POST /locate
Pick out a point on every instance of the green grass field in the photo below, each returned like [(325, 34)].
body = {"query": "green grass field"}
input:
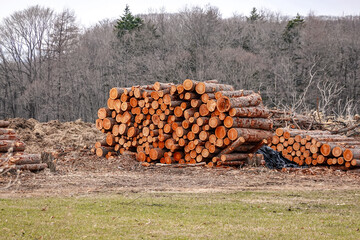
[(241, 215)]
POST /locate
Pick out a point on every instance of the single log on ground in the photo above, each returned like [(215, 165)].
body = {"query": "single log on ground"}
[(30, 167), (232, 163), (250, 135), (224, 103), (257, 123), (25, 159), (6, 145)]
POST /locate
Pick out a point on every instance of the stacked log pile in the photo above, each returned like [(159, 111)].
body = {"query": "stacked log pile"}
[(316, 147), (190, 123), (12, 154)]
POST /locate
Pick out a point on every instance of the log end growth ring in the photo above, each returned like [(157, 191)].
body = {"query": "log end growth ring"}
[(223, 104)]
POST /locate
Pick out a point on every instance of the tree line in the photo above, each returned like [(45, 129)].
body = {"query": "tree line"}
[(51, 68)]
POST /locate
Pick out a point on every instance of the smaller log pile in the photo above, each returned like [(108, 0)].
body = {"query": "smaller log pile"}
[(12, 154), (193, 122), (316, 147)]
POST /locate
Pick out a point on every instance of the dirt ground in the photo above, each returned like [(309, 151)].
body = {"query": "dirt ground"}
[(80, 172)]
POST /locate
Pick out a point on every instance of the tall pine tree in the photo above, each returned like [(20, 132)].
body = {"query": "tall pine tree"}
[(127, 23)]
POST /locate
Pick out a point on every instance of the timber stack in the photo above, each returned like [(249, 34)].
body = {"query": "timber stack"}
[(190, 123), (12, 154), (316, 147)]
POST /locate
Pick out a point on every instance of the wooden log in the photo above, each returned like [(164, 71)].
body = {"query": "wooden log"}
[(231, 163), (104, 112), (257, 112), (116, 92), (156, 153), (4, 124), (355, 163), (258, 146), (25, 159), (190, 112), (250, 135), (202, 121), (110, 103), (110, 140), (11, 145), (257, 123), (203, 87), (220, 132), (207, 97), (30, 167), (160, 86), (236, 93), (211, 105), (326, 149), (234, 156), (9, 137), (203, 110), (180, 131), (108, 123), (350, 154), (7, 131), (214, 122), (189, 85), (233, 146), (224, 103)]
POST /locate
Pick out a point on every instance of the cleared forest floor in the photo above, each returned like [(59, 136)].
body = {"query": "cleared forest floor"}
[(80, 173)]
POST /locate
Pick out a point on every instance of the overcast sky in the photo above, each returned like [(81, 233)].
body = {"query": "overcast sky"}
[(90, 12)]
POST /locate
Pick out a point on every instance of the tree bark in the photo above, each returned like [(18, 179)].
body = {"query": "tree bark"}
[(224, 103), (203, 87), (257, 123), (250, 135), (6, 145), (250, 112)]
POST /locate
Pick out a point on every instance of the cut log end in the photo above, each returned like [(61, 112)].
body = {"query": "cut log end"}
[(223, 104)]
